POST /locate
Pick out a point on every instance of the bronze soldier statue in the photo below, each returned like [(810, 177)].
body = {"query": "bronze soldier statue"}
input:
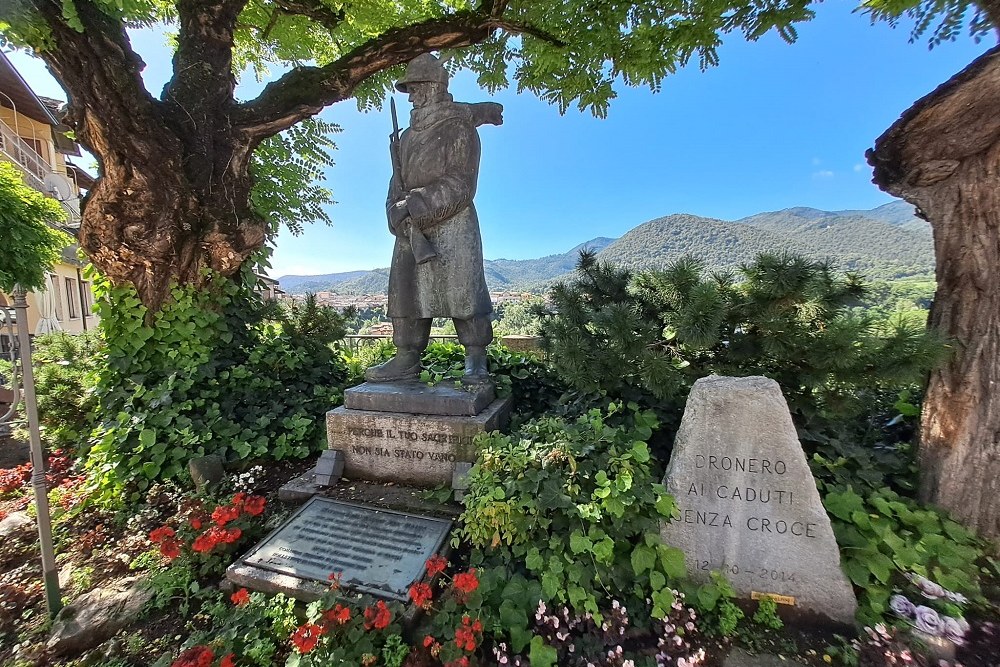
[(437, 261)]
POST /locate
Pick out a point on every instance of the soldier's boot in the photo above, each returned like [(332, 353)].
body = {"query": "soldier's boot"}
[(404, 366), (476, 371)]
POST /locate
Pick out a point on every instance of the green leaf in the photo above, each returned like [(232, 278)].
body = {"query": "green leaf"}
[(534, 560), (708, 596), (579, 543), (843, 504), (147, 437), (640, 451), (541, 654), (643, 558), (672, 562), (604, 551)]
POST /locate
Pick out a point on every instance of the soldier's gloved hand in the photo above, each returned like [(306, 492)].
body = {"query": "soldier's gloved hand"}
[(397, 213)]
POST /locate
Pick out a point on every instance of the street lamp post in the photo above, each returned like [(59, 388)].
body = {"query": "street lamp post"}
[(50, 575)]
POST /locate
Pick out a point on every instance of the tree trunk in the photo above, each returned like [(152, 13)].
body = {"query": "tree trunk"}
[(943, 155)]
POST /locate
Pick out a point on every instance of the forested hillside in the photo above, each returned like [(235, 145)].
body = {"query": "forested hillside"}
[(885, 243)]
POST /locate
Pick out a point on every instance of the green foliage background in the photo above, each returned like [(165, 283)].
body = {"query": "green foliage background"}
[(210, 375)]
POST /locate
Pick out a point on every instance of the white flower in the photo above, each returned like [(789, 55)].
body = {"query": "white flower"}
[(926, 620), (928, 588), (902, 606), (957, 598), (955, 629)]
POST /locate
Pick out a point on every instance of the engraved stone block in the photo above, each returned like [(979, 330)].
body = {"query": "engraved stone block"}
[(421, 450), (748, 504), (376, 551)]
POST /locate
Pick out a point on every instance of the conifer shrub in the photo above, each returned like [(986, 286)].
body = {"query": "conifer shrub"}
[(66, 368), (646, 337)]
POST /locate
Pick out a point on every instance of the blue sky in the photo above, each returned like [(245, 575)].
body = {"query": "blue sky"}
[(773, 126)]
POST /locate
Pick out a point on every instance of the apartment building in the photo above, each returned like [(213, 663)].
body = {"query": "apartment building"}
[(34, 139)]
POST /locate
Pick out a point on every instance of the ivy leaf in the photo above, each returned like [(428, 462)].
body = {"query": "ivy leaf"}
[(843, 504), (643, 558), (533, 560), (672, 562), (604, 551), (579, 543), (540, 654)]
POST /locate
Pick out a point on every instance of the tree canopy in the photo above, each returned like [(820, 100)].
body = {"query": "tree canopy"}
[(31, 246)]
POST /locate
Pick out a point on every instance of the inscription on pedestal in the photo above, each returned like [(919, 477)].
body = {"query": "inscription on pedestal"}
[(747, 501), (419, 450), (376, 551)]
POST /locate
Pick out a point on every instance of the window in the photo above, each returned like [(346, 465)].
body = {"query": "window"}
[(86, 297), (72, 298), (57, 297)]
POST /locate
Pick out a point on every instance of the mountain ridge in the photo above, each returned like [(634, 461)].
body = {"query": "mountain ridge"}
[(888, 241)]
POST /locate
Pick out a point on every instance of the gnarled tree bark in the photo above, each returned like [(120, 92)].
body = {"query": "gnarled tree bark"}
[(943, 155)]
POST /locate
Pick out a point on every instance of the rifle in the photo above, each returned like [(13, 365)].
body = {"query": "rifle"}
[(422, 249)]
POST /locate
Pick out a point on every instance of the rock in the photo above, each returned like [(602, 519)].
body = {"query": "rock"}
[(520, 343), (299, 489), (206, 470), (747, 501), (15, 522), (97, 616)]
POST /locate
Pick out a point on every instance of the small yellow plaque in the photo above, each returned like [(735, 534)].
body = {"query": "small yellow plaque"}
[(780, 599)]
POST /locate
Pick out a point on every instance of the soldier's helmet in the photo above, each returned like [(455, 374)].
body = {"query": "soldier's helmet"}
[(425, 68)]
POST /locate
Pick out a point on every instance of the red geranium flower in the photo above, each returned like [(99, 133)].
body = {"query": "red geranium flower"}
[(378, 618), (160, 534), (170, 549), (228, 661), (428, 640), (254, 505), (466, 582), (204, 543), (223, 514), (304, 639), (196, 522), (231, 535), (196, 656), (239, 499), (436, 564), (240, 597), (421, 594), (465, 634), (339, 614)]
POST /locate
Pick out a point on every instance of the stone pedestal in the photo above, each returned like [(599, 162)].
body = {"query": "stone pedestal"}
[(407, 448), (418, 398)]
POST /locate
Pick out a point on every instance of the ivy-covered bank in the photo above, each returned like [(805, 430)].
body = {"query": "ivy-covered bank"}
[(214, 371), (557, 558)]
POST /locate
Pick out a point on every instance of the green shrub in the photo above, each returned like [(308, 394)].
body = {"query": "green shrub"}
[(66, 369), (572, 510), (208, 374)]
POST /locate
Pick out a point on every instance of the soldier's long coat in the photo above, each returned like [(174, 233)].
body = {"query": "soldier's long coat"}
[(440, 154)]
